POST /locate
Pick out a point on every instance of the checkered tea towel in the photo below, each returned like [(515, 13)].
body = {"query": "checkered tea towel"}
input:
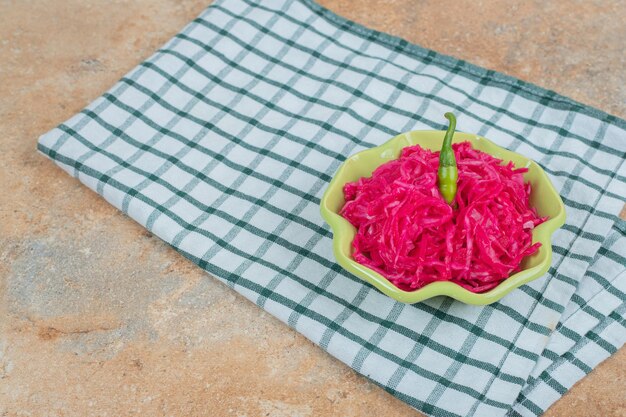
[(223, 142)]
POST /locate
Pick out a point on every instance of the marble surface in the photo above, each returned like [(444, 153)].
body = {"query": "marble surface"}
[(101, 318)]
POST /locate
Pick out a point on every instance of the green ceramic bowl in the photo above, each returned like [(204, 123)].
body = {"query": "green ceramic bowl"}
[(543, 197)]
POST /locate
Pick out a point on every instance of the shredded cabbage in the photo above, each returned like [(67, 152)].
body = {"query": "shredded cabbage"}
[(411, 236)]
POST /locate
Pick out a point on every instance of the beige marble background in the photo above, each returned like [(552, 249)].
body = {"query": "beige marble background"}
[(98, 317)]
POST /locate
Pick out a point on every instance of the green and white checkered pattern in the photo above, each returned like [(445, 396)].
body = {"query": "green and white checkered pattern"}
[(223, 142), (592, 327)]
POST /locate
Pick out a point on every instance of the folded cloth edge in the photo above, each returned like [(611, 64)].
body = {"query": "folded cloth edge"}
[(450, 62)]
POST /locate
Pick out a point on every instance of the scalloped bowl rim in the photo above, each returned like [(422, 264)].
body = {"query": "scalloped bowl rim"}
[(344, 231)]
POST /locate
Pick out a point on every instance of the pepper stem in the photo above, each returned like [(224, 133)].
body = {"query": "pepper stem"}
[(447, 156)]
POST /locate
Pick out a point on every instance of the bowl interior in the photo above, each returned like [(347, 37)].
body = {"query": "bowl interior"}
[(543, 197)]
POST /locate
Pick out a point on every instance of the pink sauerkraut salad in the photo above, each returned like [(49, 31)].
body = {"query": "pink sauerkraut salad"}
[(410, 235)]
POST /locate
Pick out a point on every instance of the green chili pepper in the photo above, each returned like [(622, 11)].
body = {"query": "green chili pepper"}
[(448, 174)]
